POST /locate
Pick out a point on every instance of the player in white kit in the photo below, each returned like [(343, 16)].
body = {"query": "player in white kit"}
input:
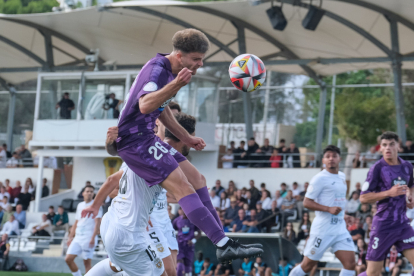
[(85, 231), (326, 195)]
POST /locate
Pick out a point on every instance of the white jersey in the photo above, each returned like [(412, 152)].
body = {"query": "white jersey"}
[(159, 216), (134, 203), (86, 225), (329, 190)]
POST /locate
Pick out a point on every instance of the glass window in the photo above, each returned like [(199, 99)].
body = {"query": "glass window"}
[(102, 98), (59, 99)]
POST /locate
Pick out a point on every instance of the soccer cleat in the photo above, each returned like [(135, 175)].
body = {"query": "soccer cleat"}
[(257, 245), (234, 250)]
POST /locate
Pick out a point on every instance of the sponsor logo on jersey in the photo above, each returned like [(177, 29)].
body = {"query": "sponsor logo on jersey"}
[(313, 251), (161, 108), (365, 186), (399, 181), (409, 240), (158, 263), (160, 248)]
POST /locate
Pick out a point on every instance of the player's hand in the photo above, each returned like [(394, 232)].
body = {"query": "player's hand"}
[(196, 143), (149, 224), (183, 77), (92, 243), (397, 190), (90, 212), (335, 210), (112, 135), (410, 202)]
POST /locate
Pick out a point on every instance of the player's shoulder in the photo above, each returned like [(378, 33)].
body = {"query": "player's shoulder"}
[(81, 205), (377, 166), (407, 164), (319, 177), (156, 67), (342, 175)]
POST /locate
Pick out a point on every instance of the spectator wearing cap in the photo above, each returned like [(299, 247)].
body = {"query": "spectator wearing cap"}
[(231, 212), (218, 188)]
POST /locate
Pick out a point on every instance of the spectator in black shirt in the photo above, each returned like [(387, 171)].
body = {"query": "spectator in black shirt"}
[(8, 153), (25, 198), (305, 189), (252, 152), (261, 215), (240, 155), (282, 144), (232, 146), (294, 152), (250, 201), (66, 106), (267, 151), (26, 156), (114, 105), (45, 188), (358, 233), (254, 191), (51, 214), (224, 270), (218, 188)]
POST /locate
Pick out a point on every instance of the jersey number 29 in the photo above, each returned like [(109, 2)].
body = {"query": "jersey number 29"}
[(154, 150)]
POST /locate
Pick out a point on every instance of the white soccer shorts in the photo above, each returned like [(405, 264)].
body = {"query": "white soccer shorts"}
[(81, 248), (131, 252), (318, 244), (163, 239)]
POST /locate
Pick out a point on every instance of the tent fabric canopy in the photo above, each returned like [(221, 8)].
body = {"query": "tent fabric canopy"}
[(130, 33)]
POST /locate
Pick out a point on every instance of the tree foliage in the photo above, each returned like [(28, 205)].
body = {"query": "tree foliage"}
[(27, 6)]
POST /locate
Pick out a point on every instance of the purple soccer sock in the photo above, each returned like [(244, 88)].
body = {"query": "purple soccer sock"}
[(205, 199), (201, 217), (180, 269), (363, 274)]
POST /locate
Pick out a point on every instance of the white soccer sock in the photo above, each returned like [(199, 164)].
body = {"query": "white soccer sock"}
[(297, 271), (189, 274), (77, 273), (222, 242), (346, 272), (103, 268)]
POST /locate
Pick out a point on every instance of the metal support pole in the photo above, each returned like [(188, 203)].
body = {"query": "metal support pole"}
[(331, 115), (49, 51), (266, 103), (246, 96), (10, 118), (396, 69), (321, 119), (39, 183)]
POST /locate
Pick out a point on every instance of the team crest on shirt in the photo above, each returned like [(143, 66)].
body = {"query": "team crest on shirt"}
[(158, 262), (313, 251), (365, 186), (160, 248), (399, 181)]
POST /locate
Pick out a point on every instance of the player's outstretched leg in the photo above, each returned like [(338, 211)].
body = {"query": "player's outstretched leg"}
[(177, 184), (103, 268)]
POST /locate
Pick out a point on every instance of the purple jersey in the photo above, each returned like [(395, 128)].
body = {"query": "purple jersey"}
[(185, 229), (133, 125), (391, 212)]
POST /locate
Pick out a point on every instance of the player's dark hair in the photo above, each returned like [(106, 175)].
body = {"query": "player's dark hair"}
[(188, 122), (331, 148), (51, 207), (282, 141), (60, 206), (389, 135), (190, 41), (174, 105), (89, 186)]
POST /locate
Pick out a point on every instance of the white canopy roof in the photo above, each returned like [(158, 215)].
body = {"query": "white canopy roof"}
[(132, 32)]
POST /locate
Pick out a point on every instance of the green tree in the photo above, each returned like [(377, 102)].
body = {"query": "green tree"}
[(26, 6)]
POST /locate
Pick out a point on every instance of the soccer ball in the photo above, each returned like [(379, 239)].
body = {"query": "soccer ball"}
[(247, 72)]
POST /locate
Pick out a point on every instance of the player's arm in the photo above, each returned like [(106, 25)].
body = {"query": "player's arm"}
[(114, 192), (95, 232), (314, 206), (72, 232), (372, 197), (152, 101), (110, 144), (110, 184)]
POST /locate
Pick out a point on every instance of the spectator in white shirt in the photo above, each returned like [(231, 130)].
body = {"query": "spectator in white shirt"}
[(352, 205), (11, 227), (266, 200), (224, 201), (215, 200), (3, 157), (296, 191), (14, 162), (228, 159), (3, 193), (44, 229), (5, 203)]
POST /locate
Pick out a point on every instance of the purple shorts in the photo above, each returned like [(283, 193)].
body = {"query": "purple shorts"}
[(186, 253), (381, 242), (151, 159)]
